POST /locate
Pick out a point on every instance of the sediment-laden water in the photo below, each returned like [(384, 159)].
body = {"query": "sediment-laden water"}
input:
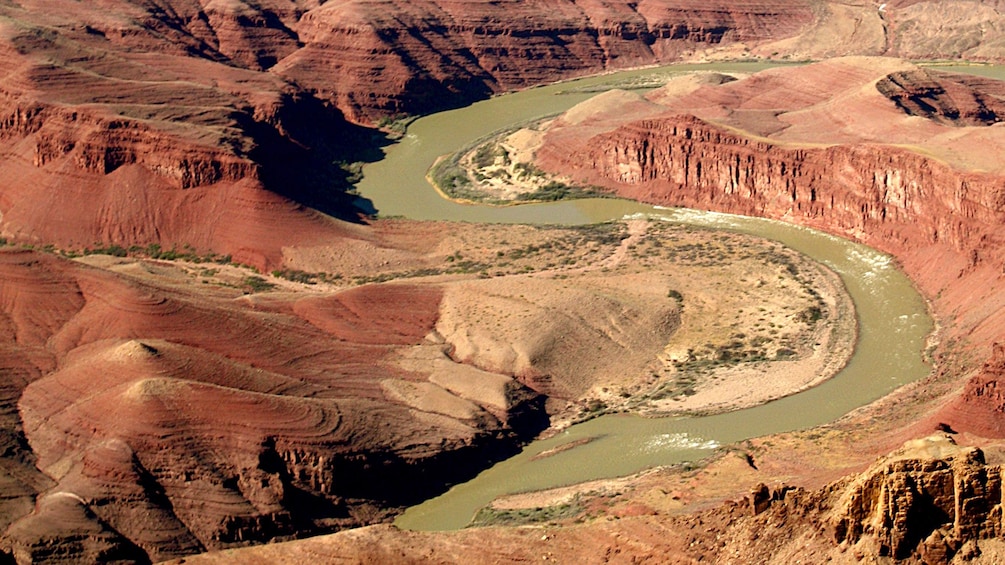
[(893, 320)]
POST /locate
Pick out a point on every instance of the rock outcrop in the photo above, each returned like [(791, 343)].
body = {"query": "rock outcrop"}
[(950, 99), (925, 508), (930, 502)]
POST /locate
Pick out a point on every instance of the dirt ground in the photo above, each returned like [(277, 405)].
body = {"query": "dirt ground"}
[(640, 316)]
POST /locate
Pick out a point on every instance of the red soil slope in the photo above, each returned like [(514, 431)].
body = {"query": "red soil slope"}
[(200, 418), (110, 143)]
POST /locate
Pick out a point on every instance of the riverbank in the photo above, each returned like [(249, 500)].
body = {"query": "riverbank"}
[(892, 316), (892, 323), (498, 170), (694, 376), (757, 322)]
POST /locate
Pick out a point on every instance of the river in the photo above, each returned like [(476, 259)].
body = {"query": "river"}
[(893, 320)]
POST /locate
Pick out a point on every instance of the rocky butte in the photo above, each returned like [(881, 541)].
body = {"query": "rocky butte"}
[(154, 409)]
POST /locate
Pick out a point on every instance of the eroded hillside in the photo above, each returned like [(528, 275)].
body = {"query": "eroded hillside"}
[(232, 129)]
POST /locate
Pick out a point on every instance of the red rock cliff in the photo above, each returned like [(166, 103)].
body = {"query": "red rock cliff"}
[(889, 197), (919, 197), (229, 98), (376, 60)]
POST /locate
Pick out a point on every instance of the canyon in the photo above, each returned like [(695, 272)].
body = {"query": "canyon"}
[(153, 409), (813, 159), (203, 104)]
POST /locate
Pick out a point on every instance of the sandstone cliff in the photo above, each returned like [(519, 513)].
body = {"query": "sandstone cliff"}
[(926, 508), (930, 194), (875, 193)]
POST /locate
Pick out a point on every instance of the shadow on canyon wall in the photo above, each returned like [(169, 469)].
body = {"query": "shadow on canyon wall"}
[(312, 156)]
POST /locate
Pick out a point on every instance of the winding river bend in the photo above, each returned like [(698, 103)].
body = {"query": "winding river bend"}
[(893, 320)]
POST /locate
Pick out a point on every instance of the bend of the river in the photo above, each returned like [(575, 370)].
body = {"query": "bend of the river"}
[(893, 318)]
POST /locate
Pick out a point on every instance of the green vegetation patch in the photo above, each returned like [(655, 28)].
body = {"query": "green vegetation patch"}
[(465, 175), (489, 516)]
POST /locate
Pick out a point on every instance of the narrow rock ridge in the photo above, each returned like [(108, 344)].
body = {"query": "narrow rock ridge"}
[(947, 99)]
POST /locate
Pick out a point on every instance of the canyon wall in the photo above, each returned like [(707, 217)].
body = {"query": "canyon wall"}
[(891, 198), (376, 60), (133, 123), (161, 122), (921, 196)]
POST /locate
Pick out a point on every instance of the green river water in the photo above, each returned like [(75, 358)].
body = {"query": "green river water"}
[(893, 320)]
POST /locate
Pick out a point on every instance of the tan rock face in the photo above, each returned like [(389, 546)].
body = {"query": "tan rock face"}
[(925, 508), (964, 30)]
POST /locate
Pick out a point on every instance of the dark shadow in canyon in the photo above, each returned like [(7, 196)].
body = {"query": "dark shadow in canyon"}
[(395, 481), (311, 154)]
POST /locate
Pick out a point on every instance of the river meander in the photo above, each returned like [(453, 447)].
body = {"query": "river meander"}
[(893, 320)]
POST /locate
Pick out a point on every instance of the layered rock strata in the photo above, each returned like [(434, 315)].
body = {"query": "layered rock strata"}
[(426, 55), (143, 421), (138, 123), (845, 151), (153, 121)]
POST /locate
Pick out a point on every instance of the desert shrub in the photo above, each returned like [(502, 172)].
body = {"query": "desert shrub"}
[(255, 283)]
